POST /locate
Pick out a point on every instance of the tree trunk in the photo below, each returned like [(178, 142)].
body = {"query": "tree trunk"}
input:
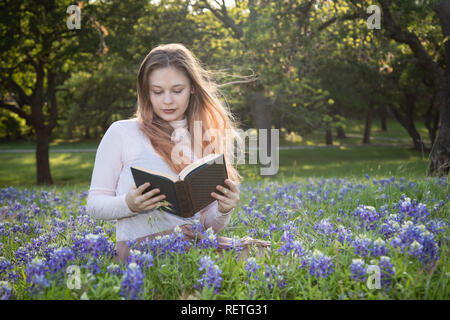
[(69, 130), (431, 122), (408, 121), (341, 133), (382, 113), (87, 135), (328, 137), (42, 157), (368, 127), (440, 153)]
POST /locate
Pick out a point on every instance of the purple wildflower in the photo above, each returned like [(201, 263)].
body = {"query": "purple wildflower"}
[(252, 267), (320, 265), (132, 283), (59, 259), (142, 259), (324, 227), (36, 273), (361, 245), (114, 269), (273, 274), (5, 290), (209, 240), (358, 270), (387, 271), (415, 248), (379, 248), (212, 274)]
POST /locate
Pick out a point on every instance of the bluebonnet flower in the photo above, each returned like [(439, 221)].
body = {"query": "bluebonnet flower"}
[(430, 251), (252, 267), (179, 243), (361, 245), (114, 269), (5, 290), (92, 266), (22, 255), (209, 240), (287, 238), (142, 259), (36, 273), (273, 277), (158, 246), (6, 270), (396, 242), (95, 245), (389, 228), (212, 274), (272, 228), (320, 265), (253, 201), (4, 230), (368, 216), (59, 259), (132, 283), (324, 227), (358, 270), (415, 248), (236, 245), (387, 271), (379, 248), (344, 234)]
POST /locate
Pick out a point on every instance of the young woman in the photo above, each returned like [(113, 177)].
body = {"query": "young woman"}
[(174, 93)]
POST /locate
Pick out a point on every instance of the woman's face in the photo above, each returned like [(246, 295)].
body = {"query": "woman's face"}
[(170, 89)]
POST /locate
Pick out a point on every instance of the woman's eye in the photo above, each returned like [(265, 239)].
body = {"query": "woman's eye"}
[(159, 92)]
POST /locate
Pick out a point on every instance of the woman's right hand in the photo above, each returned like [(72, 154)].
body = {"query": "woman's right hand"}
[(138, 202)]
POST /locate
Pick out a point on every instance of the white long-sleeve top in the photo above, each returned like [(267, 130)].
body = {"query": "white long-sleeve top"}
[(123, 146)]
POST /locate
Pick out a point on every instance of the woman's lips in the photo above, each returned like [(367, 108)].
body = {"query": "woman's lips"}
[(169, 111)]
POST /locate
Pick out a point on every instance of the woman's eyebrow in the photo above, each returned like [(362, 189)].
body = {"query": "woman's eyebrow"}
[(176, 85)]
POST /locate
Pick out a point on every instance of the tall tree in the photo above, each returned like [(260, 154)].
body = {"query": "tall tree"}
[(396, 29), (37, 53)]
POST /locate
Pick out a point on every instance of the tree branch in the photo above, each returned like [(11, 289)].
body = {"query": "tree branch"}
[(394, 31), (18, 111), (223, 16)]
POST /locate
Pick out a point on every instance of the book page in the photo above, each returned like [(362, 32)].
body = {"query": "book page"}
[(157, 173), (211, 157)]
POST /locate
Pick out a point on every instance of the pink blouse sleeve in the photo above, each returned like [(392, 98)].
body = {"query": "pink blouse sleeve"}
[(215, 219), (102, 202)]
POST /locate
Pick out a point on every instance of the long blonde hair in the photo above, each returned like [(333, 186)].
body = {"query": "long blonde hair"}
[(204, 105)]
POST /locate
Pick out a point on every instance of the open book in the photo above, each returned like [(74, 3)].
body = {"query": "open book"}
[(190, 191)]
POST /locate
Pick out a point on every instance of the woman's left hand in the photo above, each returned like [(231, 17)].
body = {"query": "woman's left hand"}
[(230, 199)]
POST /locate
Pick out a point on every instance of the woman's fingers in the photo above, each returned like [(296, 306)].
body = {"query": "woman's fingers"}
[(153, 200), (232, 185), (221, 198)]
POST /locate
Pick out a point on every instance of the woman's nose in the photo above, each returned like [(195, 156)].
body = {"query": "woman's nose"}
[(167, 97)]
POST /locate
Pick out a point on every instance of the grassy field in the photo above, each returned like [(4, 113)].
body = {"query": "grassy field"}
[(329, 213), (384, 161)]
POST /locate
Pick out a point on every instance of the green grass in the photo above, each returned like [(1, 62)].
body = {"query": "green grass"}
[(18, 169), (395, 135)]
